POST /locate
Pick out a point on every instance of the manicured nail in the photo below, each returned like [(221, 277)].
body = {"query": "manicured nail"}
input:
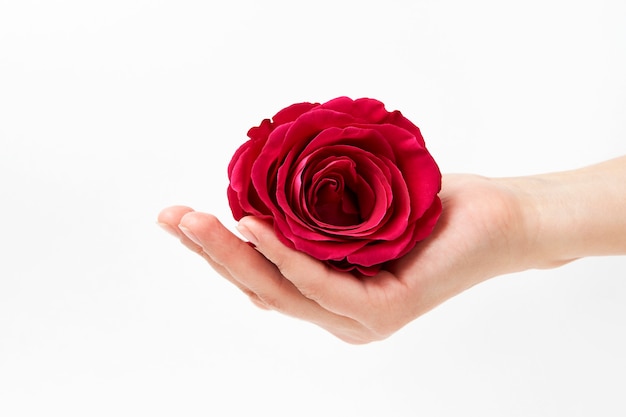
[(169, 229), (245, 232), (190, 235)]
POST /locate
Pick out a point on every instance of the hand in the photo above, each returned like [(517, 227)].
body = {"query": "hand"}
[(480, 235)]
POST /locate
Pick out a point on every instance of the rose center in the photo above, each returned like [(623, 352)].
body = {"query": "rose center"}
[(334, 203)]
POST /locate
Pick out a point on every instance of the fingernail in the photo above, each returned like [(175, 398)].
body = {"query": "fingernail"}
[(169, 229), (245, 232), (190, 235)]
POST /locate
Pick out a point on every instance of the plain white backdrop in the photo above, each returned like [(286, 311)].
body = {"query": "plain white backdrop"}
[(111, 111)]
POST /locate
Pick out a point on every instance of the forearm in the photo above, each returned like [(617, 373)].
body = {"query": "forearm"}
[(576, 213)]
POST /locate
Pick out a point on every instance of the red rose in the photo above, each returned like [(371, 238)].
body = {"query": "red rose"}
[(346, 181)]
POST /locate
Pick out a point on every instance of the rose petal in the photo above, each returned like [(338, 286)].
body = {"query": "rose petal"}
[(242, 193), (418, 167), (396, 118), (291, 113), (317, 245), (383, 251), (362, 110), (365, 137), (265, 167)]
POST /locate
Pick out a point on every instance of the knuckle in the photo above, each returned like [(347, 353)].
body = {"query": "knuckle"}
[(284, 263), (312, 283), (272, 302), (257, 301), (199, 250), (312, 292)]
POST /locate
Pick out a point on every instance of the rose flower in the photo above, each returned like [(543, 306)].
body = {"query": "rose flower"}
[(346, 182)]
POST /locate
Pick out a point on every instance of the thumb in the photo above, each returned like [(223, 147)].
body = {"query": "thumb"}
[(339, 292), (289, 261)]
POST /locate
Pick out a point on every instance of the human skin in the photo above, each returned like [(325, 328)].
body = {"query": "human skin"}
[(489, 227)]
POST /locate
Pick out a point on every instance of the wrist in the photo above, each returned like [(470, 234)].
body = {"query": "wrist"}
[(540, 222), (568, 215)]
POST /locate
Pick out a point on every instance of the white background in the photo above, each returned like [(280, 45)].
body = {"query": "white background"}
[(111, 111)]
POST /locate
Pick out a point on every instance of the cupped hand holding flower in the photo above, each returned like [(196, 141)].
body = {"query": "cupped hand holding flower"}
[(488, 227), (479, 227)]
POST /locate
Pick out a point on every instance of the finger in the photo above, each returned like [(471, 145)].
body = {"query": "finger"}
[(341, 293), (170, 219), (252, 270)]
